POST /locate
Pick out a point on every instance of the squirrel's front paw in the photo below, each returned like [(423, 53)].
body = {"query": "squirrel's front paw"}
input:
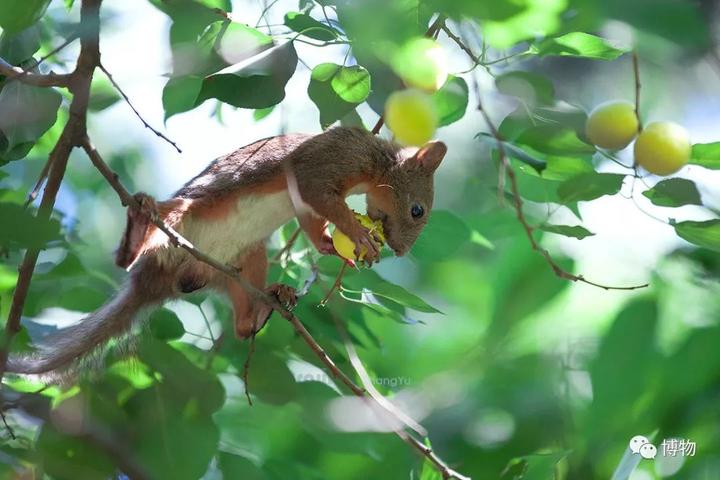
[(366, 246), (285, 294)]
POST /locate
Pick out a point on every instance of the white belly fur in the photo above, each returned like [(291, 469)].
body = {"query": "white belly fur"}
[(253, 219)]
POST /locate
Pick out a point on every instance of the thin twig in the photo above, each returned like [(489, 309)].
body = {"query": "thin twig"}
[(8, 428), (366, 382), (246, 369), (41, 179), (335, 285), (288, 245), (638, 85), (518, 205), (127, 100), (26, 70)]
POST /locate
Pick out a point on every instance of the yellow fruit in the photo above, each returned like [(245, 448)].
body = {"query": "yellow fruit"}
[(411, 116), (346, 248), (421, 63), (663, 148), (612, 125)]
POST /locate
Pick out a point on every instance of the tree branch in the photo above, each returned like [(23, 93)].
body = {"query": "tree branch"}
[(35, 79), (79, 84), (638, 85), (137, 114), (518, 205), (180, 242)]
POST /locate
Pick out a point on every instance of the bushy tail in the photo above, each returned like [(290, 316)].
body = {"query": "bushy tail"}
[(64, 348)]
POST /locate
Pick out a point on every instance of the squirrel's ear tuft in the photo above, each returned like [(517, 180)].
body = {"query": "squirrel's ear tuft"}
[(430, 155)]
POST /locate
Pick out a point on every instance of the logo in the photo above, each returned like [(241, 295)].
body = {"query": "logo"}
[(673, 447)]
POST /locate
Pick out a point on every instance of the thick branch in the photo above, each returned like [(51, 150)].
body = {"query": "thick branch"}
[(74, 131), (35, 79)]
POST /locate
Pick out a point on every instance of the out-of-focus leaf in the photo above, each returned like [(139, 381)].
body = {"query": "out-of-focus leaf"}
[(337, 90), (451, 100), (674, 192), (680, 22), (537, 19), (533, 467), (256, 83), (308, 26), (21, 229), (180, 94), (26, 112), (63, 456), (102, 94), (575, 231), (15, 15), (589, 186), (444, 234), (577, 44), (621, 370), (261, 113), (19, 47), (533, 88), (235, 466), (165, 325), (703, 234), (706, 155), (554, 140)]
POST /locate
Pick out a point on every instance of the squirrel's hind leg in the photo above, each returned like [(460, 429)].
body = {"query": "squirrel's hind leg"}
[(250, 315)]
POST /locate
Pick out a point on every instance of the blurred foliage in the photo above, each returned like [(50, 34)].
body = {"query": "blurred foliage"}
[(445, 333)]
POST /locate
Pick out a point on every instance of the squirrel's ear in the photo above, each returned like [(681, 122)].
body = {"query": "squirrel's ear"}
[(430, 155)]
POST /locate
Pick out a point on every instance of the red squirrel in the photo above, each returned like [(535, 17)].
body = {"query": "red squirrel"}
[(230, 209)]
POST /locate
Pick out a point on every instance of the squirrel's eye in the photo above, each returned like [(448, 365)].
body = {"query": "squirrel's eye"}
[(417, 211)]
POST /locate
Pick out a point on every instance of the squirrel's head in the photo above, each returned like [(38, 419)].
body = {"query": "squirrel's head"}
[(404, 200)]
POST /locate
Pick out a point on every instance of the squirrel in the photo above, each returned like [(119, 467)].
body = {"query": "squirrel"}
[(231, 208)]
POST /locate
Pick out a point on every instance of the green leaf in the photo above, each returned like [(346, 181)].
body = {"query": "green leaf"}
[(516, 152), (16, 15), (589, 186), (442, 237), (165, 325), (704, 234), (180, 94), (337, 90), (102, 94), (533, 88), (21, 229), (575, 231), (674, 192), (680, 22), (365, 279), (554, 140), (19, 47), (451, 100), (26, 112), (261, 113), (577, 44), (257, 83), (706, 155), (308, 26)]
